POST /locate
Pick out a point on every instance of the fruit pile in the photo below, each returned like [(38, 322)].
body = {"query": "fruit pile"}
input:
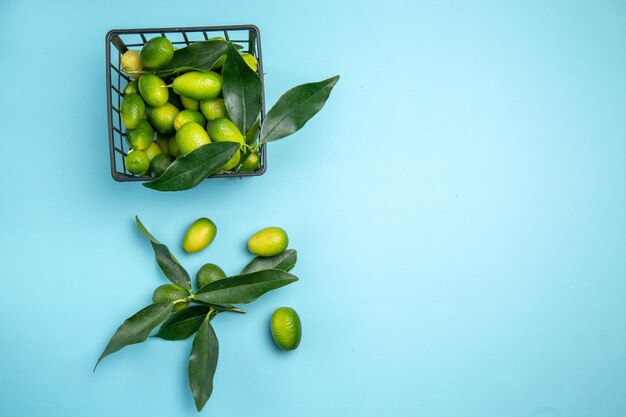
[(182, 311), (165, 121)]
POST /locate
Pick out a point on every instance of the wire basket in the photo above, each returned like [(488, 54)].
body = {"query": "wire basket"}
[(119, 41)]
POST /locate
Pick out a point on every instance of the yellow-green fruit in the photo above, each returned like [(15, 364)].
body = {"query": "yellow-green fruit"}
[(212, 109), (140, 137), (209, 273), (270, 241), (188, 116), (189, 103), (190, 137), (232, 162), (131, 88), (286, 328), (251, 61), (198, 85), (157, 52), (162, 118), (169, 293), (131, 64), (160, 163), (132, 110), (137, 162), (173, 146), (252, 163), (223, 130), (153, 150), (164, 142), (199, 235), (153, 90), (219, 63)]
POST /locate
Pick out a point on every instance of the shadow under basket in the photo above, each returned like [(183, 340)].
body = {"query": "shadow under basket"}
[(119, 41)]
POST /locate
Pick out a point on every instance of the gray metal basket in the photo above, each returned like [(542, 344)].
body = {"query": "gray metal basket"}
[(119, 41)]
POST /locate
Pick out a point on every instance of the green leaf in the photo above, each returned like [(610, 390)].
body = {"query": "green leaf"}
[(285, 261), (242, 289), (190, 170), (199, 56), (202, 363), (294, 108), (137, 328), (181, 325), (242, 91), (170, 267), (145, 231)]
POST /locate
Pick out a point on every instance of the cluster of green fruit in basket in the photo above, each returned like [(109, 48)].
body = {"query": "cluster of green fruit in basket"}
[(164, 122)]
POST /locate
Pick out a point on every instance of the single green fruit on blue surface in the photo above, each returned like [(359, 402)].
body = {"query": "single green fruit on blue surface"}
[(270, 241)]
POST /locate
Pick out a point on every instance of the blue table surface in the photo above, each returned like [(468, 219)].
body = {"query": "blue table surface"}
[(458, 207)]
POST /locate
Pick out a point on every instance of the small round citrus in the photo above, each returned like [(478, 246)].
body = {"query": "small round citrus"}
[(251, 61), (212, 109), (199, 235), (232, 162), (189, 103), (252, 163), (223, 130), (131, 88), (140, 137), (190, 137), (164, 142), (131, 63), (170, 292), (162, 118), (160, 163), (157, 52), (173, 146), (137, 162), (188, 116), (153, 150), (270, 241), (132, 110), (208, 274), (198, 85), (153, 90), (286, 328)]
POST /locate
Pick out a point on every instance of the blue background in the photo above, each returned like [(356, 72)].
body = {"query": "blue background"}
[(458, 207)]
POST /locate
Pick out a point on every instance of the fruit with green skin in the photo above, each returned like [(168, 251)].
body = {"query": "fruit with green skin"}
[(232, 162), (153, 90), (209, 273), (137, 162), (153, 150), (162, 118), (186, 116), (190, 137), (189, 103), (157, 52), (132, 110), (160, 163), (164, 142), (140, 137), (131, 64), (199, 235), (286, 328), (252, 163), (169, 293), (198, 85), (131, 88), (251, 61), (223, 130), (270, 241), (212, 109)]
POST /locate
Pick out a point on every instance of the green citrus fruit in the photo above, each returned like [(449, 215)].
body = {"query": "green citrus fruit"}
[(153, 90), (270, 241), (212, 109), (169, 293), (164, 142), (286, 328), (137, 162), (132, 109), (199, 235), (131, 88), (223, 130), (208, 274), (189, 103), (153, 150), (190, 137), (232, 162), (251, 61), (188, 116), (157, 52), (140, 137), (252, 163), (160, 163), (198, 85), (173, 146), (162, 118), (131, 64)]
